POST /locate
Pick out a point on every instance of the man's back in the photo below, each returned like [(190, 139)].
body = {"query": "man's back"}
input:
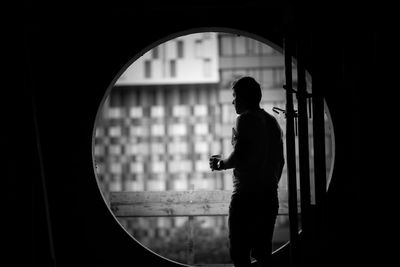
[(258, 145)]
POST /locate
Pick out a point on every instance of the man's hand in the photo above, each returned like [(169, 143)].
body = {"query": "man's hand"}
[(214, 162)]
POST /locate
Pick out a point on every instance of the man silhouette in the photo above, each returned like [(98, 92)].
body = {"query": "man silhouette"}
[(257, 160)]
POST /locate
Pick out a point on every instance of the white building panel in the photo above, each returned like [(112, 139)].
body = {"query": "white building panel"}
[(198, 64), (158, 130)]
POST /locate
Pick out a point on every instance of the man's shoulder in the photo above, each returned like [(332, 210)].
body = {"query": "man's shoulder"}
[(246, 117), (255, 115), (251, 113), (270, 117)]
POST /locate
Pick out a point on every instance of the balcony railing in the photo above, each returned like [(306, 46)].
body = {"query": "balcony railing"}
[(179, 203), (176, 203)]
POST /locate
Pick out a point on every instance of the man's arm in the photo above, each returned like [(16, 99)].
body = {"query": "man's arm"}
[(240, 151)]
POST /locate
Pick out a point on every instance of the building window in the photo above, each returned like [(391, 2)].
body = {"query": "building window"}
[(201, 166), (177, 130), (172, 68), (267, 78), (250, 46), (178, 148), (114, 131), (157, 111), (201, 147), (116, 168), (147, 69), (158, 167), (201, 129), (158, 130), (226, 78), (226, 46), (179, 47), (155, 52), (136, 167), (180, 166), (240, 45), (198, 48), (136, 112), (206, 35), (180, 111), (207, 67), (254, 47), (200, 110), (266, 50)]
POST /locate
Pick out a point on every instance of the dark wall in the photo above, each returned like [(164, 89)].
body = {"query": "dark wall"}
[(72, 56)]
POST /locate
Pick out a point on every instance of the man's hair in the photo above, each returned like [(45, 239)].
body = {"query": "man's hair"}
[(248, 89)]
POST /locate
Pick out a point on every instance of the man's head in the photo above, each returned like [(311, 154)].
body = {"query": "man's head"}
[(246, 94)]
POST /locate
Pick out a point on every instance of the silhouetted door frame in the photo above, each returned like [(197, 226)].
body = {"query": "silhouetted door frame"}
[(291, 152), (312, 217)]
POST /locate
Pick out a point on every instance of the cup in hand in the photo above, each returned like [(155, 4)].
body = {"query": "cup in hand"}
[(214, 160)]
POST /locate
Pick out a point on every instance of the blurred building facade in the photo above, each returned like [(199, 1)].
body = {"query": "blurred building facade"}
[(168, 113)]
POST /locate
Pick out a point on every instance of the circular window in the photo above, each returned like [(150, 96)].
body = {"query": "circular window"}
[(159, 122)]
